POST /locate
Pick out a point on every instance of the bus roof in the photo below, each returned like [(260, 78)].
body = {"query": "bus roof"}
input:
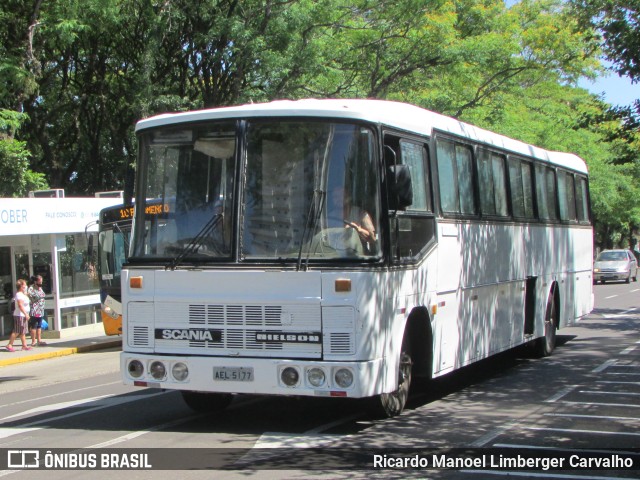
[(393, 114)]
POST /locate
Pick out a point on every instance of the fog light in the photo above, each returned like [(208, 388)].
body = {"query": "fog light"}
[(180, 371), (157, 370), (290, 376), (343, 377), (135, 368), (316, 377)]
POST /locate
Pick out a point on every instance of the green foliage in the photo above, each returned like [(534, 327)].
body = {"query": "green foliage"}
[(75, 76), (15, 177), (616, 23)]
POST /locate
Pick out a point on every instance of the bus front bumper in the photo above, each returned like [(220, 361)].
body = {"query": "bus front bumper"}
[(253, 375)]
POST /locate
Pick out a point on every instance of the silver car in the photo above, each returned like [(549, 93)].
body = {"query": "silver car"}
[(615, 265)]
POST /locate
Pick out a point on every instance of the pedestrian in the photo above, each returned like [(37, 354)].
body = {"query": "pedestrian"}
[(36, 297), (20, 316)]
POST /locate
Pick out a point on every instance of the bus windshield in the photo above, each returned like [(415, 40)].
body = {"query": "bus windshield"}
[(113, 242), (309, 190)]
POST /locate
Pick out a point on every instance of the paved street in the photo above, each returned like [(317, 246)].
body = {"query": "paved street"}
[(586, 396)]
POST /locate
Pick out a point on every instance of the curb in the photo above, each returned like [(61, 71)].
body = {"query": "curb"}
[(63, 352)]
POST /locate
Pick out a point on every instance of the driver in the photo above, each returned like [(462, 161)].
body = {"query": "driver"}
[(341, 205)]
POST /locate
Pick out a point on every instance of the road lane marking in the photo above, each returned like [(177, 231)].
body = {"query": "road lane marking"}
[(561, 393), (550, 474), (618, 382), (572, 430), (6, 432), (604, 366), (610, 296), (620, 315), (59, 394), (55, 406), (540, 475), (124, 438), (139, 433), (307, 439), (596, 392), (560, 449), (627, 351), (492, 435), (599, 417), (164, 426), (601, 404), (277, 441)]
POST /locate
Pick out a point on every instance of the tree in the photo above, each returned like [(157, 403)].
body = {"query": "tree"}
[(15, 177), (18, 79), (616, 26), (501, 50)]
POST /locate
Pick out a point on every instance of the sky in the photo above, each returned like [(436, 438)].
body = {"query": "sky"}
[(617, 91)]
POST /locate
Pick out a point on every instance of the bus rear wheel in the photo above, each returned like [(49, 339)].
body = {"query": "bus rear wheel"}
[(392, 404), (545, 345), (206, 402)]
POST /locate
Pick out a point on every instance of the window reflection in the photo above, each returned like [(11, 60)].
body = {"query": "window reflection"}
[(77, 270)]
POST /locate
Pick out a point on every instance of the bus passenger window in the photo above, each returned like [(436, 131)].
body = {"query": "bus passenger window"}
[(566, 196), (455, 175), (493, 191), (582, 201), (520, 180)]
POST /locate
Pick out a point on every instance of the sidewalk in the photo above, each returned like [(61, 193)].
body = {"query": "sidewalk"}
[(55, 347)]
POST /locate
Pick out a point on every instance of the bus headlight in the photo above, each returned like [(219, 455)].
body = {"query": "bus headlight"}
[(316, 377), (135, 368), (290, 376), (109, 311), (180, 371), (157, 370), (343, 377)]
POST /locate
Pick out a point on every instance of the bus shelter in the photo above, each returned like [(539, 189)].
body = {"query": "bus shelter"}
[(53, 237)]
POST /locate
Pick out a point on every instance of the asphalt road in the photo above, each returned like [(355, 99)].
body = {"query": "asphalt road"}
[(584, 398)]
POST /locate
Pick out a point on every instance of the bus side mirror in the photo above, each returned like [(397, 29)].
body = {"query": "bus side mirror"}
[(400, 189)]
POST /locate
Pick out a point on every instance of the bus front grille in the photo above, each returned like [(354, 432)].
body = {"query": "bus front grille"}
[(251, 329)]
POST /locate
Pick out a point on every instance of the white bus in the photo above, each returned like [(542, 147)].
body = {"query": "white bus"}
[(340, 248)]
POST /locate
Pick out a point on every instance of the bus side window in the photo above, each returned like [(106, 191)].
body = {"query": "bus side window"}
[(566, 196), (414, 227), (582, 200), (521, 183), (493, 196), (456, 180)]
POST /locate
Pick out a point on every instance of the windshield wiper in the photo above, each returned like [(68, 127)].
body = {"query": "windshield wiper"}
[(310, 225), (195, 242)]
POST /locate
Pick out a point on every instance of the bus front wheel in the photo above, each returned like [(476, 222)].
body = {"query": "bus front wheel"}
[(206, 402), (392, 404)]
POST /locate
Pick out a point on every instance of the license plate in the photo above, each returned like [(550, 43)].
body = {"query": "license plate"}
[(233, 374)]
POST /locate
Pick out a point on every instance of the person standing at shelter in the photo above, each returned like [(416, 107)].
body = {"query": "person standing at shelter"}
[(36, 296), (20, 316)]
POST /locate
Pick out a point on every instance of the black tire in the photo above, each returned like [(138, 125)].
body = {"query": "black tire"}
[(207, 402), (388, 405), (545, 345)]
